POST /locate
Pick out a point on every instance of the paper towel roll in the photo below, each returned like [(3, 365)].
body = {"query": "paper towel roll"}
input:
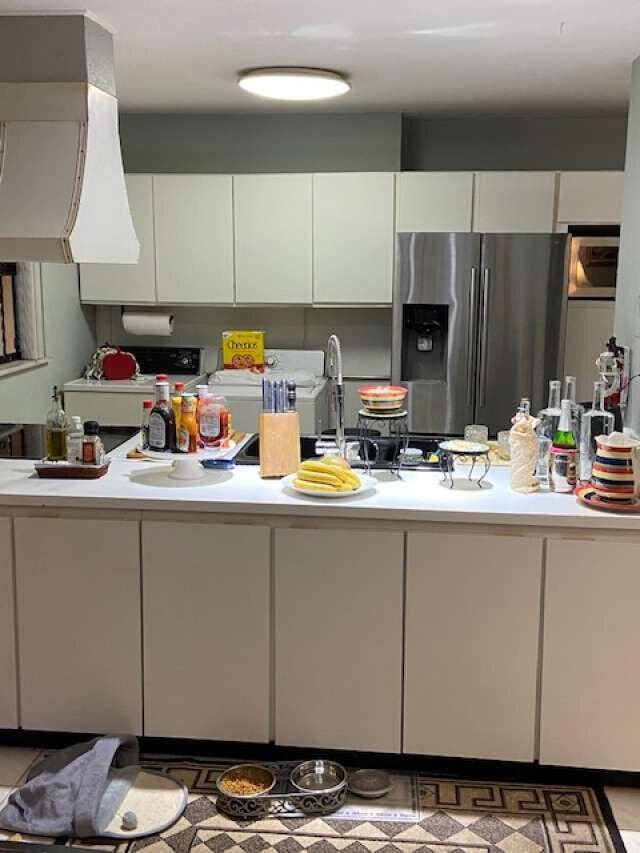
[(147, 323)]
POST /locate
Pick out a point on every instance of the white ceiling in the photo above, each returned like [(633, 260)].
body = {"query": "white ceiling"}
[(442, 56)]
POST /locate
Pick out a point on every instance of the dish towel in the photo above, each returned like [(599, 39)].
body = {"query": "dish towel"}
[(94, 789)]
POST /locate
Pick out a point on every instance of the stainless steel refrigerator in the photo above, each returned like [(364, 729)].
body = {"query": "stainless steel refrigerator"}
[(478, 323)]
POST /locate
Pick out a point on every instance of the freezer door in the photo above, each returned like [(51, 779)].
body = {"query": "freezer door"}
[(435, 328), (523, 286)]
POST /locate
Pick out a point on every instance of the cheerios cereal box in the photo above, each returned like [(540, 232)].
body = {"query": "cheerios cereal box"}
[(242, 350)]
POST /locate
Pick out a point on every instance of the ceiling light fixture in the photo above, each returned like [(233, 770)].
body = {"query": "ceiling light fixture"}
[(294, 84)]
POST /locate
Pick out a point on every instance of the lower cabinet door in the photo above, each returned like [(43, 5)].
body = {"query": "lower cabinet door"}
[(8, 691), (338, 631), (78, 593), (591, 669), (472, 637), (206, 603)]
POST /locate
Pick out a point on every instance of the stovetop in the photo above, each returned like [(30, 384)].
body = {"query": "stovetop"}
[(29, 441)]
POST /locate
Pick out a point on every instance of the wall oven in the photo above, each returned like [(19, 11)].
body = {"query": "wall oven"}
[(593, 266)]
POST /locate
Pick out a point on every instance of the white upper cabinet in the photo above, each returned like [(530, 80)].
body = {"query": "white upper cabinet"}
[(353, 236), (434, 201), (272, 217), (127, 283), (590, 197), (514, 202), (194, 238)]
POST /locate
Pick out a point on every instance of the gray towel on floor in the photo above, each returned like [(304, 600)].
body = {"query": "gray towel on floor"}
[(70, 792)]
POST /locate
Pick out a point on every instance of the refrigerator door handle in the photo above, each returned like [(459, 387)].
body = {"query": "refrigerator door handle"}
[(484, 330), (471, 337)]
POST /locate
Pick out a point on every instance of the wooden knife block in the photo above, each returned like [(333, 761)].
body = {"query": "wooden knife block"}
[(279, 443)]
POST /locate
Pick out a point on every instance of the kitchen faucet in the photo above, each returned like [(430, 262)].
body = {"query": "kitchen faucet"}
[(334, 372)]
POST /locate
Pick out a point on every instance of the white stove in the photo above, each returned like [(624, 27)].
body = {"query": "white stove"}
[(119, 402), (243, 391)]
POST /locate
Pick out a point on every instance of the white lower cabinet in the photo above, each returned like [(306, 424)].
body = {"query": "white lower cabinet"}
[(338, 639), (206, 630), (78, 593), (591, 673), (471, 654), (8, 692)]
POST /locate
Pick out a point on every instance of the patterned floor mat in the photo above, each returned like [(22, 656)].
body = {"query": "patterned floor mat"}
[(420, 815)]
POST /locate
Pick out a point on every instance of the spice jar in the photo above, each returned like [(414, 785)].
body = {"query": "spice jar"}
[(92, 447)]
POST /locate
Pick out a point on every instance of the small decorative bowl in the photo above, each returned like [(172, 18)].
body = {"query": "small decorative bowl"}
[(257, 774), (382, 398), (318, 777)]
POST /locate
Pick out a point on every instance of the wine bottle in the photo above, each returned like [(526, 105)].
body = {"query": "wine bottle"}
[(565, 437)]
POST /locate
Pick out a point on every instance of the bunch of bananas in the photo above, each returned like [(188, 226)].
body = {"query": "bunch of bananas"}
[(329, 474)]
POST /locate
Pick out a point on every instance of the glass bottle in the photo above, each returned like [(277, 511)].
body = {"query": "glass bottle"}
[(187, 432), (92, 447), (147, 405), (549, 417), (56, 429), (75, 436), (596, 421), (576, 409), (161, 420), (565, 437), (176, 404)]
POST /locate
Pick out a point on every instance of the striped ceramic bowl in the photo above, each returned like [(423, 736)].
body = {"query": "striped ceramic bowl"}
[(612, 473)]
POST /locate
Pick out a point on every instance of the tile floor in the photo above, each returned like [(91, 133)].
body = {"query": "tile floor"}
[(625, 802)]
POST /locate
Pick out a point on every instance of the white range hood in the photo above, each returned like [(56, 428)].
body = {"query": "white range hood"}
[(62, 192)]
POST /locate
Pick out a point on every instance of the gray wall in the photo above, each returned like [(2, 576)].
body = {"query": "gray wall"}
[(627, 324), (260, 143), (70, 338), (481, 142)]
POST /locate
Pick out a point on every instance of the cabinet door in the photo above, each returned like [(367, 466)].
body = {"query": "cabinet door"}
[(78, 593), (272, 220), (8, 692), (471, 654), (512, 202), (206, 631), (590, 197), (434, 201), (127, 283), (590, 672), (353, 235), (338, 612), (194, 238)]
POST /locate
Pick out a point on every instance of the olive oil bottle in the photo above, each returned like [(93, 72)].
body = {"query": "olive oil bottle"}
[(56, 429)]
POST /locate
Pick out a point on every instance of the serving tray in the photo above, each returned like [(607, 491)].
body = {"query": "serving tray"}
[(70, 471)]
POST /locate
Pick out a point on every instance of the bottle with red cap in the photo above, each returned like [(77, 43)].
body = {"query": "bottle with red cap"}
[(176, 405), (147, 405)]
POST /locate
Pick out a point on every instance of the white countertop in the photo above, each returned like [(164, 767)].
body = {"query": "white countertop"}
[(417, 496)]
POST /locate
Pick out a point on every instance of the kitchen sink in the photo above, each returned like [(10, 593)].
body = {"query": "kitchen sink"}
[(387, 451)]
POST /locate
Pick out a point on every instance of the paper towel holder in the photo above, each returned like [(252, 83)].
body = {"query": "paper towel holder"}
[(137, 320)]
